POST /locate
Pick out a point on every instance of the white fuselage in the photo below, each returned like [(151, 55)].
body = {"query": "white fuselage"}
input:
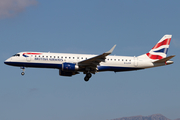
[(55, 60)]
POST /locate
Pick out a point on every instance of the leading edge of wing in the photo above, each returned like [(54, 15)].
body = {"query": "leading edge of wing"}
[(97, 59)]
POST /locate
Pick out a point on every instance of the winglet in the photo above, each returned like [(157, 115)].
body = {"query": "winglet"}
[(111, 50)]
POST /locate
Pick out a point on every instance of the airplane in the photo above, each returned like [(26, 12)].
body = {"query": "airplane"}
[(72, 64)]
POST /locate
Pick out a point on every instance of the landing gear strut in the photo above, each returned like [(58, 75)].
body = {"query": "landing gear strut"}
[(23, 68), (87, 77)]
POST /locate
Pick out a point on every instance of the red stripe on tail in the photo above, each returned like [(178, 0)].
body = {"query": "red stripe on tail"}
[(164, 42), (154, 57)]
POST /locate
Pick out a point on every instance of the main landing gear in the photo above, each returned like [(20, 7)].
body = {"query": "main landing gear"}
[(23, 68), (87, 77)]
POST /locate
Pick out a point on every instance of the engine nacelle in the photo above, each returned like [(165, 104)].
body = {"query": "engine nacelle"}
[(69, 67), (65, 73)]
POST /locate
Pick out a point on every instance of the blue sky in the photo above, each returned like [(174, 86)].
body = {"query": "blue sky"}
[(88, 27)]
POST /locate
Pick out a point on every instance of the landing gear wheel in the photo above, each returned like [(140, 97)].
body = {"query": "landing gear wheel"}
[(86, 78), (22, 73), (88, 75), (23, 68)]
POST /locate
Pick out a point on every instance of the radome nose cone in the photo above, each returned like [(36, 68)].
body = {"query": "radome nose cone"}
[(7, 61)]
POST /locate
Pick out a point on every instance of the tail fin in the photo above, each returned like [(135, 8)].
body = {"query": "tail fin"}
[(159, 51)]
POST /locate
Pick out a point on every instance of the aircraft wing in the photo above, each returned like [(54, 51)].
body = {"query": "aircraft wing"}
[(92, 63)]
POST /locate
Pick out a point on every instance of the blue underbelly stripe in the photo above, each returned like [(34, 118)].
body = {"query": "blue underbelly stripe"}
[(39, 65), (59, 66), (117, 69)]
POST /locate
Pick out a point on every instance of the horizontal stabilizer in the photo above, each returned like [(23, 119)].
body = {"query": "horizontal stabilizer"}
[(164, 59)]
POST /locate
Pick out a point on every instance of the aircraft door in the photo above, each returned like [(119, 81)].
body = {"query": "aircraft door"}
[(28, 58), (135, 61)]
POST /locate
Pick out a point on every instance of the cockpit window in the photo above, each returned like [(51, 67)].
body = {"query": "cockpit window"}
[(17, 55)]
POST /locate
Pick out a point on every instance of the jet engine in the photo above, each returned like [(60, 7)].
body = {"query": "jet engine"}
[(69, 67), (63, 73)]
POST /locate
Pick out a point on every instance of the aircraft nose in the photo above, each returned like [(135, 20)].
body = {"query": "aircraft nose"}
[(7, 61)]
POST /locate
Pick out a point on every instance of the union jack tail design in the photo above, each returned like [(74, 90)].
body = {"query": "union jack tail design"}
[(159, 51)]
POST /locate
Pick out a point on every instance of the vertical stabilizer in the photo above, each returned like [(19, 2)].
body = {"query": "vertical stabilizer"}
[(159, 51)]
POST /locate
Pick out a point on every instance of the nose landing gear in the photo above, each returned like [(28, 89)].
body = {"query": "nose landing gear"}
[(23, 68), (87, 77), (22, 73)]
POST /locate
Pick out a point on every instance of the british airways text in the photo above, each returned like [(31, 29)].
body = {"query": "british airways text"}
[(50, 59)]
